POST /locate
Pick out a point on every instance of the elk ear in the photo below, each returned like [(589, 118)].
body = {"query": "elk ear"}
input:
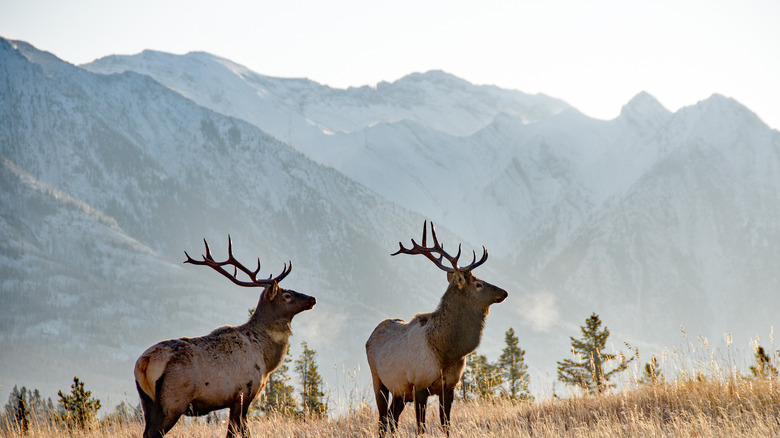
[(457, 278), (271, 291)]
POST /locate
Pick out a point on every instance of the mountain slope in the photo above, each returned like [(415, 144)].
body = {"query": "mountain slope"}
[(653, 219), (126, 175)]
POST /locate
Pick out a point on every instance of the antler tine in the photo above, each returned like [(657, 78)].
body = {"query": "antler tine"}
[(258, 267), (208, 251), (474, 262), (285, 271)]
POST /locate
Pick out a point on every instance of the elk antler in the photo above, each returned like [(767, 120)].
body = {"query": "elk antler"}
[(438, 249), (208, 260)]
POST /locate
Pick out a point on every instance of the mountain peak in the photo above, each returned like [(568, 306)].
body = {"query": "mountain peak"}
[(644, 108), (643, 104), (434, 76), (721, 108)]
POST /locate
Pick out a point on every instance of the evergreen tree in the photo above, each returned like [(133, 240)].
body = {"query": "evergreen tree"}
[(467, 379), (311, 382), (763, 369), (27, 407), (512, 365), (279, 394), (486, 378), (587, 371), (80, 407), (17, 409)]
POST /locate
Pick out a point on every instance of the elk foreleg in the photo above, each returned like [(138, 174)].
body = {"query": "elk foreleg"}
[(420, 403), (237, 423), (445, 405)]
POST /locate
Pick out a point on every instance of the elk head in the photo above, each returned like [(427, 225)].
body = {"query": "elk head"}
[(459, 277)]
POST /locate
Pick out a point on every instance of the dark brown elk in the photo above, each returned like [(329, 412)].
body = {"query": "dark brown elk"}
[(411, 361), (226, 368)]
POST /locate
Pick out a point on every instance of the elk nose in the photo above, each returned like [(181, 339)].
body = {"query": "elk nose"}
[(502, 296)]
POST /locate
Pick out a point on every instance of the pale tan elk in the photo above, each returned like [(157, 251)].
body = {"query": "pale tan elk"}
[(226, 368), (425, 356)]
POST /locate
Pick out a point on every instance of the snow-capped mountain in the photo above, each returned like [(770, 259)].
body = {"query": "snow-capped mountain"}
[(417, 141), (106, 180), (110, 170)]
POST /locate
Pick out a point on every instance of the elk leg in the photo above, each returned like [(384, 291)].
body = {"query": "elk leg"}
[(382, 395), (159, 420), (237, 420), (420, 403), (445, 405), (152, 415), (396, 406)]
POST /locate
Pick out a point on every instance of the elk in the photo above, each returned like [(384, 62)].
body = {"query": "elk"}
[(226, 368), (426, 356)]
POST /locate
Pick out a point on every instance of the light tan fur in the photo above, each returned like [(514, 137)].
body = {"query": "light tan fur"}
[(148, 368), (399, 352), (410, 361)]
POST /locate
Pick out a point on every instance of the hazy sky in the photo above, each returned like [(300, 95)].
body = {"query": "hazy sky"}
[(594, 54)]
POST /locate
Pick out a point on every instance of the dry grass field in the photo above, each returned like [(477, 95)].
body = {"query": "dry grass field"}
[(688, 407), (709, 397)]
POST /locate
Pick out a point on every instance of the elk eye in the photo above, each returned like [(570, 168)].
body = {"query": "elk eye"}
[(479, 285), (287, 296)]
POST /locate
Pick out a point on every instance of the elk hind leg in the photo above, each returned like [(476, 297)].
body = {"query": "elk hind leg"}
[(382, 395), (158, 420), (153, 415)]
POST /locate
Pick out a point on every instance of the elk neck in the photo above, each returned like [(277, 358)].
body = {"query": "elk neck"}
[(456, 325), (272, 330)]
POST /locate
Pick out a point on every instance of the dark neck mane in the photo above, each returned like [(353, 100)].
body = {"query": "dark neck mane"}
[(456, 326), (271, 330)]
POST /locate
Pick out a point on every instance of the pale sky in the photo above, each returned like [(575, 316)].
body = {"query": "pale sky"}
[(594, 54)]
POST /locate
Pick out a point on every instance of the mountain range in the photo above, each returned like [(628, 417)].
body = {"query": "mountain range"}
[(110, 170)]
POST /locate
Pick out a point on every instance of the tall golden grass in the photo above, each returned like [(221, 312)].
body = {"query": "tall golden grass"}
[(707, 398), (740, 407)]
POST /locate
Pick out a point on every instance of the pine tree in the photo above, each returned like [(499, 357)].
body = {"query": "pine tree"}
[(27, 407), (467, 379), (512, 365), (80, 407), (279, 394), (763, 369), (588, 371), (486, 378), (17, 409), (311, 382)]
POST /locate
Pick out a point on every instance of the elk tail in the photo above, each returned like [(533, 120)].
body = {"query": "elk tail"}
[(147, 371)]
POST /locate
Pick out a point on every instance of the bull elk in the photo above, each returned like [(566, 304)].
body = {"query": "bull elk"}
[(411, 361), (226, 368)]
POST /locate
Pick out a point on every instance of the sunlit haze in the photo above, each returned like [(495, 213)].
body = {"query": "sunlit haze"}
[(594, 55)]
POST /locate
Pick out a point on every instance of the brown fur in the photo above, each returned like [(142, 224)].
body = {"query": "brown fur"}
[(225, 369)]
